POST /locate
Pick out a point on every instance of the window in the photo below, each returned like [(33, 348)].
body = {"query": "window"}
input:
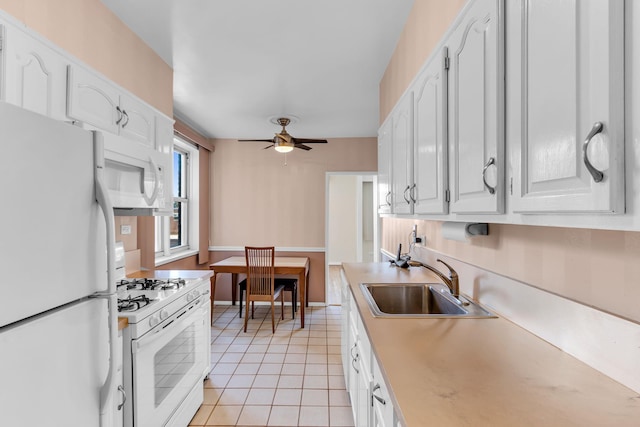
[(176, 234)]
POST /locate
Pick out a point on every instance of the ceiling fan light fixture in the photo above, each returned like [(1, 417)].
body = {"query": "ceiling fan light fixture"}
[(283, 146)]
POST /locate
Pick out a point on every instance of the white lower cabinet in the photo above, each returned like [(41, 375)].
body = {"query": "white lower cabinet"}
[(357, 377), (382, 409), (367, 389), (360, 401)]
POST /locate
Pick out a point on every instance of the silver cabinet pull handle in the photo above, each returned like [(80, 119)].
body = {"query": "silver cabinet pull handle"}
[(595, 173), (120, 116), (404, 195), (387, 198), (491, 161), (411, 193), (378, 398), (126, 115), (124, 397), (355, 360)]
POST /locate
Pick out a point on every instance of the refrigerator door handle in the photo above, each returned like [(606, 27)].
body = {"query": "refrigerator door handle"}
[(124, 397), (102, 197)]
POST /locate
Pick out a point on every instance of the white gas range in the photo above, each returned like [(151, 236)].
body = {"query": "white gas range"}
[(166, 347)]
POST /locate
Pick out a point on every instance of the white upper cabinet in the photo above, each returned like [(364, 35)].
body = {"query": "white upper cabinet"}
[(384, 167), (430, 189), (402, 155), (568, 144), (98, 103), (93, 101), (35, 75), (476, 109), (138, 122)]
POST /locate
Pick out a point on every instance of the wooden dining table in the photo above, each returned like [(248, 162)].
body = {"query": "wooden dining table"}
[(282, 266)]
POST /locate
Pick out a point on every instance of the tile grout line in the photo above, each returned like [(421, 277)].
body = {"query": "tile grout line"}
[(255, 331)]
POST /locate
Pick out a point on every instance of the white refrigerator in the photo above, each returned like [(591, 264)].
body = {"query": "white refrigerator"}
[(58, 315)]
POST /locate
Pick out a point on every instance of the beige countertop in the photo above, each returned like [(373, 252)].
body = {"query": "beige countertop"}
[(483, 372)]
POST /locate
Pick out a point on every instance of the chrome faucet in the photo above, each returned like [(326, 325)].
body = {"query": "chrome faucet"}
[(451, 281)]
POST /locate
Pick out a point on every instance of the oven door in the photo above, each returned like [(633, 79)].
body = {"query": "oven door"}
[(167, 362)]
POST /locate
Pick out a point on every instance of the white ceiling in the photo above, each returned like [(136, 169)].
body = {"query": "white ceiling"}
[(238, 63)]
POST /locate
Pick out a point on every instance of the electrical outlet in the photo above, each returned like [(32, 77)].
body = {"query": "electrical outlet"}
[(421, 240), (125, 229)]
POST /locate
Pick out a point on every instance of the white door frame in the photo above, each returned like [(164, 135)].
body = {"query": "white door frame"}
[(362, 177)]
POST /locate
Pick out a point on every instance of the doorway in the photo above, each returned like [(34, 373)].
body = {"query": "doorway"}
[(351, 225)]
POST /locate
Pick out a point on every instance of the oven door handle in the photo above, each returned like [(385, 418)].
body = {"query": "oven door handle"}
[(174, 324)]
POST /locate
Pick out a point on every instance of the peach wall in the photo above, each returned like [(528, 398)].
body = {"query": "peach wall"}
[(599, 268), (258, 200), (90, 32), (427, 22)]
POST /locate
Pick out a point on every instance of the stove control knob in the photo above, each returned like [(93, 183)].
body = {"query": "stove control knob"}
[(154, 320), (164, 314), (193, 295)]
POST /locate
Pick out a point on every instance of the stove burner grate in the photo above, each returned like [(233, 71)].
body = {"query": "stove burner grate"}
[(132, 303), (172, 284), (152, 284)]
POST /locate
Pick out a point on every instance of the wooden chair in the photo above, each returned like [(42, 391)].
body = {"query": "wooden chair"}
[(261, 281), (290, 285)]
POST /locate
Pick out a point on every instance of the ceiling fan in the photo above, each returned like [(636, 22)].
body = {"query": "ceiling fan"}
[(284, 143)]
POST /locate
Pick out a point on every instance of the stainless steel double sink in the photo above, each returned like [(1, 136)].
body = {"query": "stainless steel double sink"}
[(420, 300)]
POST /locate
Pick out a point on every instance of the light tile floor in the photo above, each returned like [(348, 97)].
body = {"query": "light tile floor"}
[(291, 378)]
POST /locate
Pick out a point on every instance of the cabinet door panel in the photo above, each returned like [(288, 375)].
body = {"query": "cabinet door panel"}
[(384, 167), (363, 413), (476, 110), (35, 75), (138, 123), (382, 411), (92, 100), (401, 155), (583, 42), (430, 151)]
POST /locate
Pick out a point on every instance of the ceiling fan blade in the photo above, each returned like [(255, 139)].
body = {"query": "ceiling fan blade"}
[(309, 141), (281, 137), (256, 140), (268, 146), (304, 147)]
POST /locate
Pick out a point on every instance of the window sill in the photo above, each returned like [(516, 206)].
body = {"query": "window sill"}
[(175, 257)]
